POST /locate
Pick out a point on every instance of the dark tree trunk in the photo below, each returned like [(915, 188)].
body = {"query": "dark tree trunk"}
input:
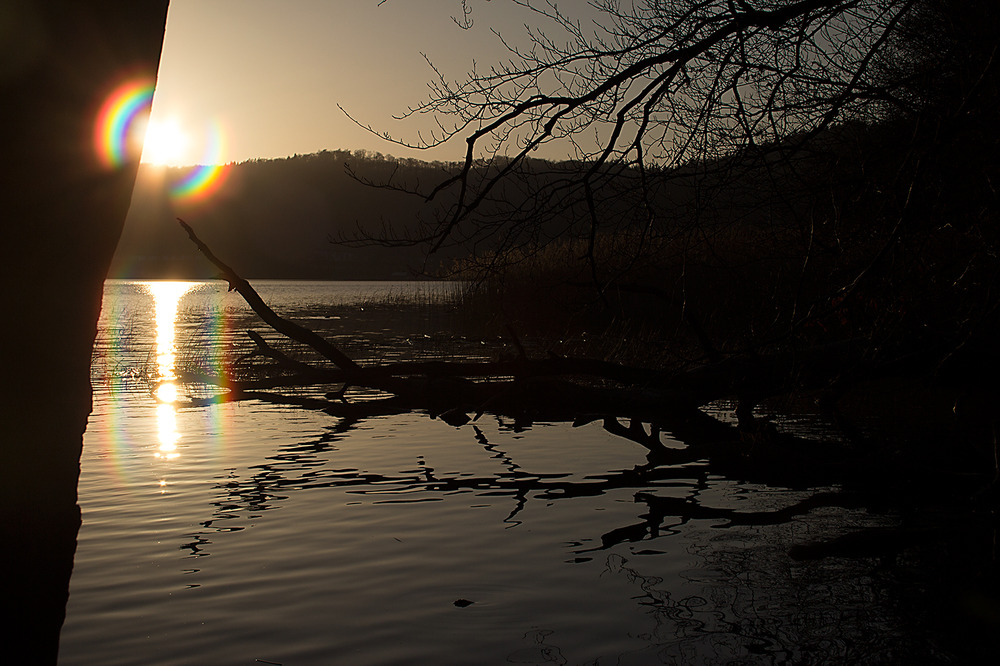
[(62, 213)]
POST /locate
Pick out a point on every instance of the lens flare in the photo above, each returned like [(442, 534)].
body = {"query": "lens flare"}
[(142, 319), (204, 180), (164, 142), (116, 135)]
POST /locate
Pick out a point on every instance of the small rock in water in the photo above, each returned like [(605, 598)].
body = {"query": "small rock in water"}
[(462, 603)]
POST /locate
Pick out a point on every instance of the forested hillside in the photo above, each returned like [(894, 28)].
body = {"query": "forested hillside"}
[(276, 219)]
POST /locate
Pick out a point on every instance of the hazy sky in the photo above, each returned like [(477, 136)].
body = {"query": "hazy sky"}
[(267, 75)]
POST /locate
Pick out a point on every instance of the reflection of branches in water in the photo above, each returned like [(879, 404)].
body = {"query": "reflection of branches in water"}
[(687, 509), (678, 623), (521, 495), (749, 601), (541, 652), (304, 465), (196, 545), (748, 606)]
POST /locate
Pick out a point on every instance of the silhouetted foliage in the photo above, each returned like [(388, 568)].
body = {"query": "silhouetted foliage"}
[(766, 175), (777, 200)]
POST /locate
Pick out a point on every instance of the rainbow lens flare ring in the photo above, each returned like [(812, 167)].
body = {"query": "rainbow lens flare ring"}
[(204, 180), (116, 122)]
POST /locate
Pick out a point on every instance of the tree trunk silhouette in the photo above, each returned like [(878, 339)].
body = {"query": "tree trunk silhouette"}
[(62, 214)]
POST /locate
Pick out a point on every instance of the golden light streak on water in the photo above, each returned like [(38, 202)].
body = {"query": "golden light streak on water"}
[(166, 298), (167, 422), (166, 392)]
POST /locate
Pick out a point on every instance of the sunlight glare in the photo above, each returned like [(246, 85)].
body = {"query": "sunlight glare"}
[(165, 142), (167, 420), (166, 392), (166, 298)]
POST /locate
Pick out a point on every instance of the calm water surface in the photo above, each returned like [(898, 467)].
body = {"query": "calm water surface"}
[(255, 533)]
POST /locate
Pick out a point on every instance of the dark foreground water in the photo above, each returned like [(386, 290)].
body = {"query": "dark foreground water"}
[(256, 533)]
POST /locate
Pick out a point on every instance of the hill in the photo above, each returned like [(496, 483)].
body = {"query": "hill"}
[(276, 219)]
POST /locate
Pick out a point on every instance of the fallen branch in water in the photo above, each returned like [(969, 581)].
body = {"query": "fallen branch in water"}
[(270, 317), (558, 388)]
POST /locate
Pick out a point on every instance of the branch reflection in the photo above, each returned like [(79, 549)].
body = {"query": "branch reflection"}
[(744, 568)]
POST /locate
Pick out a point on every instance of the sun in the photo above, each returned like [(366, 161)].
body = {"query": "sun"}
[(165, 142)]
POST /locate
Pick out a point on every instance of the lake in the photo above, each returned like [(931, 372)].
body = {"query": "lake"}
[(250, 532)]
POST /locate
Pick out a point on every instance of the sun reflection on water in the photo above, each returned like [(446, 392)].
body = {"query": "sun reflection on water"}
[(166, 298)]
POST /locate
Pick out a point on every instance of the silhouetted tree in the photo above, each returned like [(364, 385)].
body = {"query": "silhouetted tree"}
[(782, 173), (62, 212)]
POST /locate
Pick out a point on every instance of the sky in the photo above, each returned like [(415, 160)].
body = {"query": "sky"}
[(244, 79)]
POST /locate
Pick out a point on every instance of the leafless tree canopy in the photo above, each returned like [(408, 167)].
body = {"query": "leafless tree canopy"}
[(773, 170), (803, 191), (675, 81), (661, 84)]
